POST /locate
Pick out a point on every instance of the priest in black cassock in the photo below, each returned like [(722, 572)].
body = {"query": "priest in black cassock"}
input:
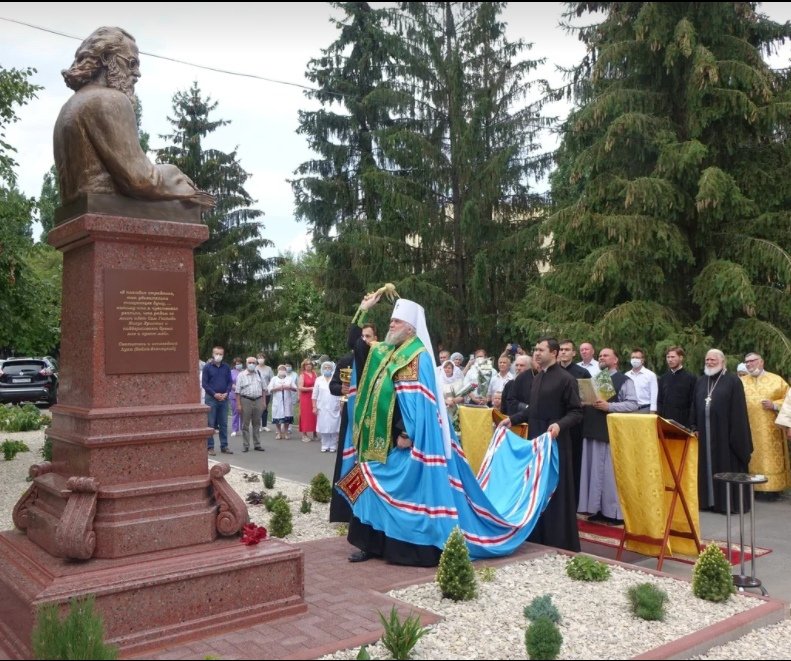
[(566, 359), (516, 394), (719, 416), (554, 407), (676, 388)]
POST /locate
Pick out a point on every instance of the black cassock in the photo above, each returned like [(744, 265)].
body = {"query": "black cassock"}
[(365, 537), (674, 400), (724, 436), (340, 512), (554, 397), (577, 372), (516, 394)]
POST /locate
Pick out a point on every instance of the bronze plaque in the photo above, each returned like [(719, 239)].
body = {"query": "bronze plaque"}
[(145, 322)]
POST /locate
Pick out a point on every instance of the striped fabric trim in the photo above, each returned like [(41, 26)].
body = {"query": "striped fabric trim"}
[(411, 508)]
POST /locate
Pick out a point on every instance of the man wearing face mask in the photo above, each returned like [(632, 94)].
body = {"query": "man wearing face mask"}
[(250, 401), (216, 382), (645, 383)]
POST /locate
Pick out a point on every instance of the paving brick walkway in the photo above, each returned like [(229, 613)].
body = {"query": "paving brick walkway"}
[(343, 602)]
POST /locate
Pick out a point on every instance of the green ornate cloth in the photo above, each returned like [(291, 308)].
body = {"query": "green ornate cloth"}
[(375, 401)]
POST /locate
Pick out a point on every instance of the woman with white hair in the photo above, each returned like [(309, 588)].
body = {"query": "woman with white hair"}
[(328, 409)]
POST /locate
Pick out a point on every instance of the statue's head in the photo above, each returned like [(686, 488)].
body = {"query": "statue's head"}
[(108, 56)]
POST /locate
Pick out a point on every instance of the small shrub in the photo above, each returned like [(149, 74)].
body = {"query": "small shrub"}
[(280, 524), (21, 418), (399, 637), (321, 488), (363, 653), (455, 575), (11, 448), (79, 636), (269, 479), (486, 574), (306, 505), (648, 601), (543, 639), (46, 449), (711, 577), (269, 501), (542, 607), (583, 568)]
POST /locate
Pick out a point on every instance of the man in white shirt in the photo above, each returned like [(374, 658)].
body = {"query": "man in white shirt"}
[(645, 383), (498, 381), (588, 355)]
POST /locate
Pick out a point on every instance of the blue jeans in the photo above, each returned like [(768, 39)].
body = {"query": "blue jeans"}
[(218, 419)]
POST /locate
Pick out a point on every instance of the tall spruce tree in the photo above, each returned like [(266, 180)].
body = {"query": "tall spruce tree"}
[(673, 219), (335, 192), (464, 156), (231, 276), (422, 179)]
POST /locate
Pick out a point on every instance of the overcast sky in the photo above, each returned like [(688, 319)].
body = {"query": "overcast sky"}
[(275, 41)]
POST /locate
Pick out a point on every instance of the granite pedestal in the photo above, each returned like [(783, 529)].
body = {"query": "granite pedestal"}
[(127, 508)]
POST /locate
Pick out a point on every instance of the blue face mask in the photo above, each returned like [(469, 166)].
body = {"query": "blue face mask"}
[(239, 366), (289, 370), (327, 372), (251, 367)]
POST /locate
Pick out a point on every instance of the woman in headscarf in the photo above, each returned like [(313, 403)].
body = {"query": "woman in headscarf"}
[(281, 388), (328, 409), (451, 381)]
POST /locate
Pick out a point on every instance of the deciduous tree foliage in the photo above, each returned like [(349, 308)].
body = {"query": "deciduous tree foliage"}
[(672, 222)]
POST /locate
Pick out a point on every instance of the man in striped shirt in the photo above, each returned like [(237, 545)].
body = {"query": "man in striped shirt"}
[(250, 401)]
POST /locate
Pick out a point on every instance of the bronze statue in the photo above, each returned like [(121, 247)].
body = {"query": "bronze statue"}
[(97, 149)]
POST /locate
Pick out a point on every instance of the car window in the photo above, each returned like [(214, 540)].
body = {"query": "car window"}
[(12, 367)]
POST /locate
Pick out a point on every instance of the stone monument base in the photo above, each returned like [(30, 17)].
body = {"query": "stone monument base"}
[(151, 600)]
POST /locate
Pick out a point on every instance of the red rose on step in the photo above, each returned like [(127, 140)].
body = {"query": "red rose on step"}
[(252, 534)]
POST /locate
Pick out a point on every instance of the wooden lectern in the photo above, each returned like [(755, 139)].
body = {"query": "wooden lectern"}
[(655, 464)]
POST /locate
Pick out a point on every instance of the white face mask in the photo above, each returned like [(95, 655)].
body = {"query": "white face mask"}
[(251, 367), (636, 362), (239, 366), (218, 357), (260, 361)]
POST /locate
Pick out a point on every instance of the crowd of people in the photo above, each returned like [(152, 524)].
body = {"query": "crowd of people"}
[(251, 392), (733, 416)]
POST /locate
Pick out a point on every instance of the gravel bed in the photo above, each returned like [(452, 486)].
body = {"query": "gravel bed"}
[(313, 525), (597, 620)]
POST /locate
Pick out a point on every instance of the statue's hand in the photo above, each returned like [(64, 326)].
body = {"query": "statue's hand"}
[(203, 199)]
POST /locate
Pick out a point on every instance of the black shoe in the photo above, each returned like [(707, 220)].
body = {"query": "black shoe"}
[(245, 449), (614, 522), (360, 556), (226, 451), (259, 449), (597, 518)]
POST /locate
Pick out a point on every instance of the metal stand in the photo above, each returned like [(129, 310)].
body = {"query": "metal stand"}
[(740, 580)]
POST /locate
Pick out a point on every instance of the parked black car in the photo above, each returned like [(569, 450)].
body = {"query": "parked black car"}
[(29, 380)]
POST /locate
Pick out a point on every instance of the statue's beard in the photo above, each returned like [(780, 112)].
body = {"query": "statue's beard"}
[(397, 338), (118, 80)]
